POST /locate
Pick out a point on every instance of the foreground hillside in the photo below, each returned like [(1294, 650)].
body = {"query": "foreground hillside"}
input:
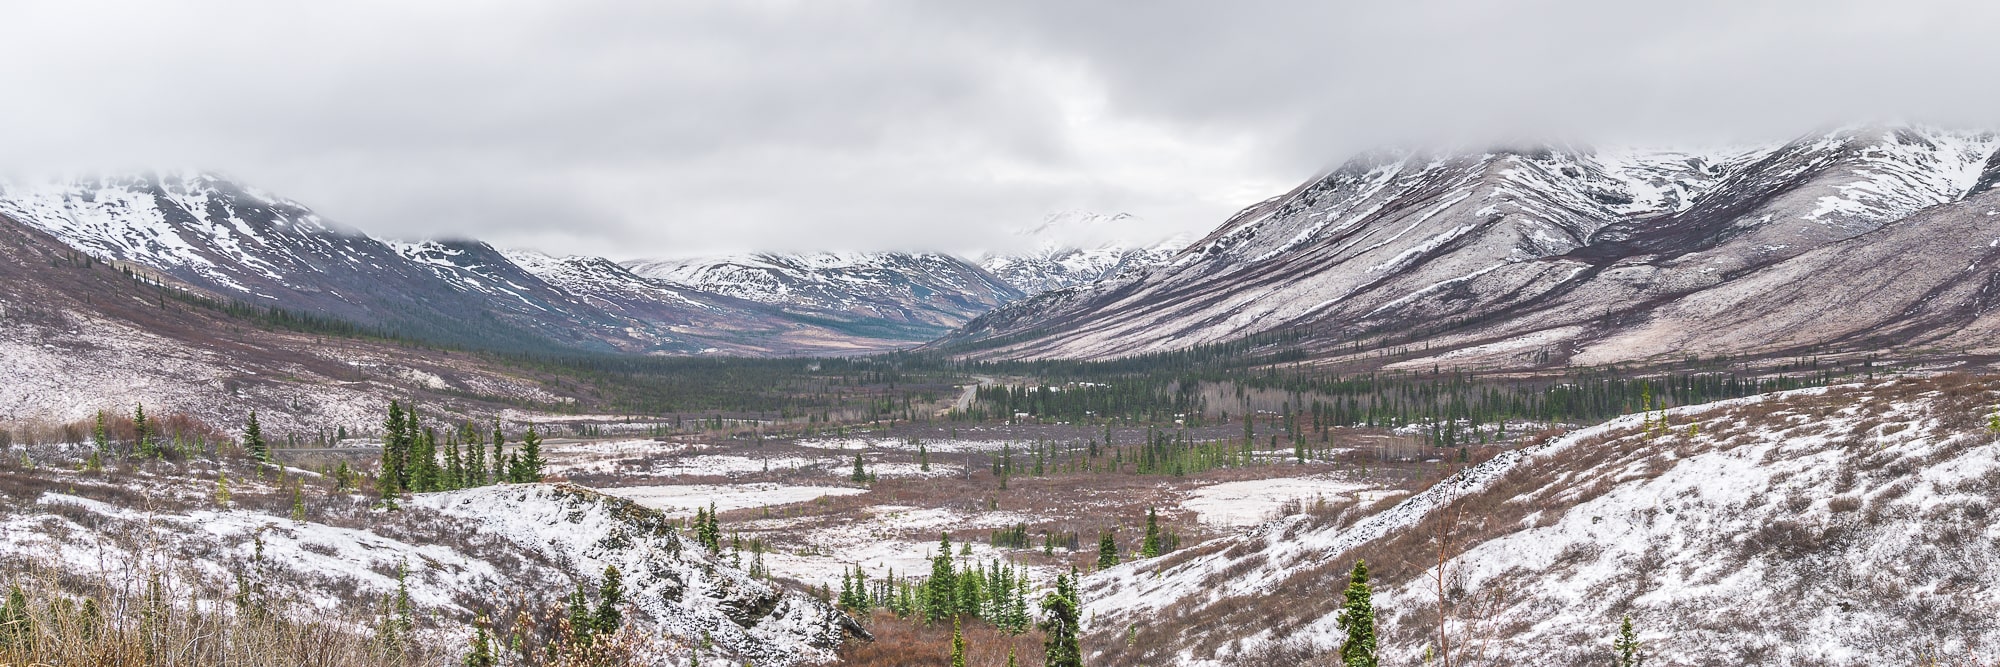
[(1840, 526), (357, 582), (1546, 256)]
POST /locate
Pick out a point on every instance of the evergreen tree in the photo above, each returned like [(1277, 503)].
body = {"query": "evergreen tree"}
[(610, 595), (957, 644), (1626, 645), (1060, 625), (860, 473), (475, 457), (222, 490), (1357, 618), (528, 465), (941, 590), (298, 503), (453, 476), (423, 462), (100, 436), (582, 621), (481, 654), (17, 625), (139, 440), (1150, 548), (501, 466), (253, 439), (395, 432), (1107, 551)]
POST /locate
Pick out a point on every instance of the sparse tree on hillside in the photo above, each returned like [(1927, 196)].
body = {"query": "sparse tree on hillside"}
[(1626, 646), (394, 442), (610, 595), (139, 425), (957, 644), (481, 654), (1061, 625), (1107, 551), (528, 463), (941, 590), (100, 436), (253, 439), (1357, 619), (1150, 548), (860, 474), (501, 466)]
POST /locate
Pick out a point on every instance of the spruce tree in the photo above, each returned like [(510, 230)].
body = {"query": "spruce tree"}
[(453, 476), (253, 439), (140, 442), (528, 466), (1107, 551), (1150, 548), (610, 595), (957, 644), (582, 620), (395, 432), (501, 467), (481, 653), (100, 436), (1060, 625), (941, 590), (423, 463), (475, 458), (1626, 645), (860, 472), (1357, 619), (17, 625)]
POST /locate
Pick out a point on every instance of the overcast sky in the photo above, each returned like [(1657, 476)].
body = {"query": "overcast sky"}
[(669, 129)]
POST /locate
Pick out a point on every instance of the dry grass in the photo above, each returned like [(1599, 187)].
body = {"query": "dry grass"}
[(906, 643)]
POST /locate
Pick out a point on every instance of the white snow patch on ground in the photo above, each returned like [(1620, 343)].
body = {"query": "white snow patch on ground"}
[(683, 500), (1248, 503)]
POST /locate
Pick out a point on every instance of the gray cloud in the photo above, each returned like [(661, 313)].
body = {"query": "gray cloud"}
[(633, 129)]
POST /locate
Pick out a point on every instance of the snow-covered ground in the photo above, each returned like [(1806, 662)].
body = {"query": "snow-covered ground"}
[(1248, 503), (683, 500), (888, 538), (465, 552), (1814, 527), (941, 445)]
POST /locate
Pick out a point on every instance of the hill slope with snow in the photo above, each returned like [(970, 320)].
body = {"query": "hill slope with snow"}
[(244, 245), (1845, 526), (1536, 256)]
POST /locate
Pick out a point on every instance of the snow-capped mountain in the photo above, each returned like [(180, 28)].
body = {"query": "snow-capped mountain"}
[(1070, 251), (921, 291), (1545, 255), (1822, 527), (248, 246)]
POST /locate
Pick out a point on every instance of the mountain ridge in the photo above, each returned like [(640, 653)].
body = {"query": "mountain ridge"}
[(1500, 247)]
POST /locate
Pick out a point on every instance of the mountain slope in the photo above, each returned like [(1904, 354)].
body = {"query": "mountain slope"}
[(1070, 251), (1821, 527), (922, 294), (1503, 258), (80, 336), (249, 246)]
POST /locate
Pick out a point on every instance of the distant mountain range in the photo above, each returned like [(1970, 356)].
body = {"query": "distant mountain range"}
[(1857, 239), (240, 244)]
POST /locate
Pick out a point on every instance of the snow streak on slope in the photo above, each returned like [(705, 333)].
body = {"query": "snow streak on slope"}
[(1821, 527), (1075, 248), (930, 291), (1449, 251)]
